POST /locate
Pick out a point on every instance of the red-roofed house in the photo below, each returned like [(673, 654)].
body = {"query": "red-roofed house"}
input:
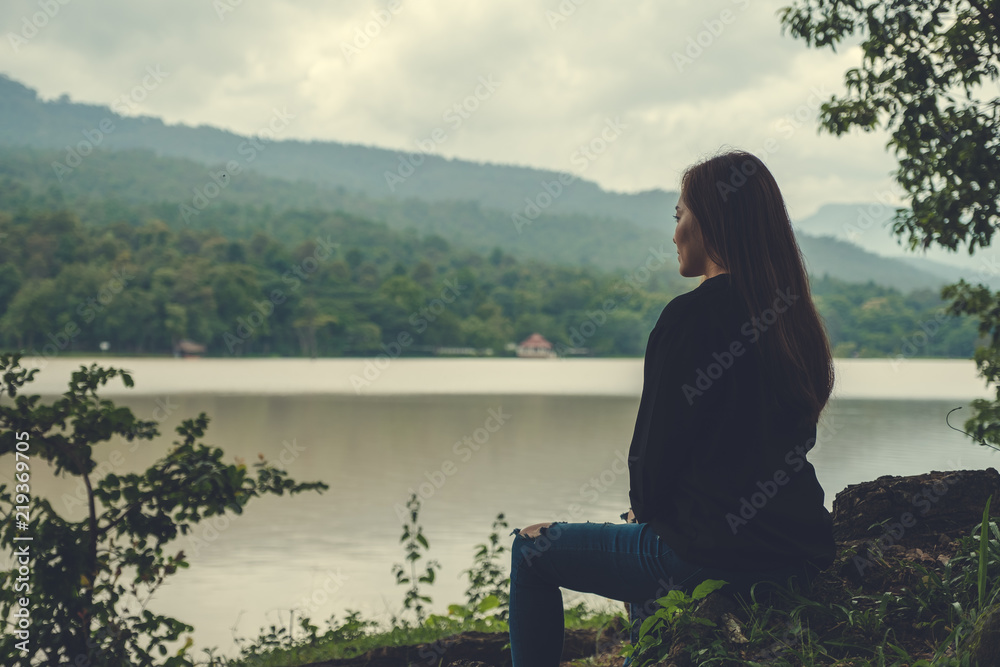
[(535, 346)]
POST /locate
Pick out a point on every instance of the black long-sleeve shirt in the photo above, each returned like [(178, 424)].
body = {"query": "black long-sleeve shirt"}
[(715, 466)]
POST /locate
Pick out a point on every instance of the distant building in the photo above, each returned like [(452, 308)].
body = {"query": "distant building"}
[(535, 347), (455, 351), (188, 349)]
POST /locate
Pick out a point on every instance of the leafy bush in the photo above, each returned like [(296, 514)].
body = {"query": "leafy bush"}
[(71, 587)]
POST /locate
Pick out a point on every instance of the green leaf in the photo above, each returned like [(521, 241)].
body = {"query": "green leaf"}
[(647, 625), (672, 598), (984, 541), (704, 588), (489, 602)]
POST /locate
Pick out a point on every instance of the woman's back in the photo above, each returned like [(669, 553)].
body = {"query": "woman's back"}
[(736, 374), (717, 464)]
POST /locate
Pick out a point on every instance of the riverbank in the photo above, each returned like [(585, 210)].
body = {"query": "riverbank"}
[(951, 379), (904, 590)]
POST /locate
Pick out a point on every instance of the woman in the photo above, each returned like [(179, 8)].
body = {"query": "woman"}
[(736, 374)]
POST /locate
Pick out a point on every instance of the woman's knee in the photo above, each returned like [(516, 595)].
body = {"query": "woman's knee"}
[(531, 544)]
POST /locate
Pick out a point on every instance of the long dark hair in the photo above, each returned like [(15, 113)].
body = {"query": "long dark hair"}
[(746, 230)]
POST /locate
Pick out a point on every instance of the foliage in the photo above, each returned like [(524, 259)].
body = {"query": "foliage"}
[(482, 611), (90, 580), (867, 320), (414, 538), (926, 622), (984, 550), (353, 288), (489, 587), (925, 76), (361, 289), (927, 72), (137, 185), (918, 615), (676, 614)]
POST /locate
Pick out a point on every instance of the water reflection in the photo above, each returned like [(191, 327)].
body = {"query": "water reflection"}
[(533, 457)]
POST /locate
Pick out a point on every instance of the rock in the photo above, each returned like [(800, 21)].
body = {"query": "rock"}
[(917, 509), (895, 517)]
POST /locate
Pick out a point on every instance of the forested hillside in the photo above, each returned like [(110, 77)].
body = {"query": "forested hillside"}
[(136, 184), (90, 151), (353, 288), (356, 288), (377, 172), (141, 250)]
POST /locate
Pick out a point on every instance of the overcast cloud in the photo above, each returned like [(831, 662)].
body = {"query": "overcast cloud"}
[(563, 69)]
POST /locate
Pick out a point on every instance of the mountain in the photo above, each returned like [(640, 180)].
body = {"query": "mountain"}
[(845, 261), (88, 154), (868, 225), (376, 172)]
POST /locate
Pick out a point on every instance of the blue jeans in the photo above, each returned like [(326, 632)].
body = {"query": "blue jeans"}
[(627, 562)]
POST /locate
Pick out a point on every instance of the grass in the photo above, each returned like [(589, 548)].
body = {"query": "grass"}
[(354, 636), (911, 614), (915, 615)]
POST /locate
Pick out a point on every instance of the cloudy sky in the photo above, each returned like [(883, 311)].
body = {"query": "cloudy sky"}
[(680, 80)]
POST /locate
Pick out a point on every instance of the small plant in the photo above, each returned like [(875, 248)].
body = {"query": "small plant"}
[(488, 583), (984, 550), (414, 537), (658, 632)]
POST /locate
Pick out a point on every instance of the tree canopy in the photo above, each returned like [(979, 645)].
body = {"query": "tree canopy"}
[(929, 75)]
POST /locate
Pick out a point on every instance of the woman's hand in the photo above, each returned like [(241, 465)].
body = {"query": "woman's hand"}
[(629, 516), (534, 530)]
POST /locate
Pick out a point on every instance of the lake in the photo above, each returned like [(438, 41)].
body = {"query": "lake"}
[(535, 439)]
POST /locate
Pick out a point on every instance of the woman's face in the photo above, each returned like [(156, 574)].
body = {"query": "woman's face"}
[(690, 247)]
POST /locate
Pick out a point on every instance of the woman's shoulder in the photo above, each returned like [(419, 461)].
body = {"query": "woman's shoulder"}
[(709, 297)]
